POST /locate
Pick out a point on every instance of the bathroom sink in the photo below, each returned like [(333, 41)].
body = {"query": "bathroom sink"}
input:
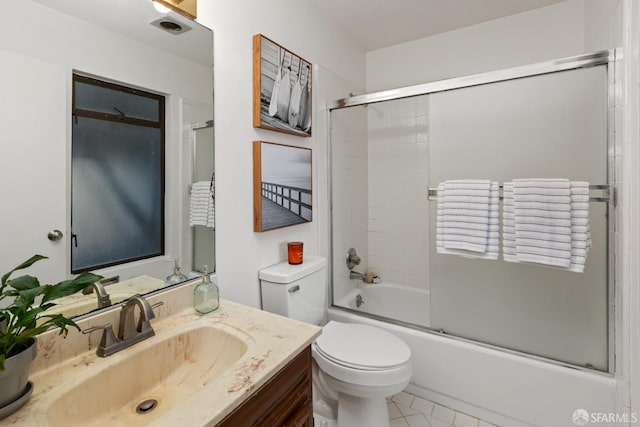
[(153, 376)]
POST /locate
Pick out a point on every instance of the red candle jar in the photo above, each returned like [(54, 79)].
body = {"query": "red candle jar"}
[(294, 250)]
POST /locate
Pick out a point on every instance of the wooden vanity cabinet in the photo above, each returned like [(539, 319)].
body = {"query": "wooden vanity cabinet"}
[(284, 401)]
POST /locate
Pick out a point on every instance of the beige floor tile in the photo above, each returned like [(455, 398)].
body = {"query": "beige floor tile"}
[(406, 411), (403, 398), (434, 422), (417, 420), (398, 422), (394, 412), (464, 420), (442, 413), (422, 405)]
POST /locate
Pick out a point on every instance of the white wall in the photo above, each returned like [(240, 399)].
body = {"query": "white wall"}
[(294, 25), (551, 32)]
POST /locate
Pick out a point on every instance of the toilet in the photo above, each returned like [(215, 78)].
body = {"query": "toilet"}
[(355, 366)]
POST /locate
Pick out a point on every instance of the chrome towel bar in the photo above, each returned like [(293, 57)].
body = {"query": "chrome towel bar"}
[(602, 196)]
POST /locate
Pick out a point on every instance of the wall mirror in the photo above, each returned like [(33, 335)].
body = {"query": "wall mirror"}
[(46, 48)]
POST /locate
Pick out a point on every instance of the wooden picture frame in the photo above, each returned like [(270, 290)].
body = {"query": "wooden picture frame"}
[(186, 8), (282, 84), (282, 185)]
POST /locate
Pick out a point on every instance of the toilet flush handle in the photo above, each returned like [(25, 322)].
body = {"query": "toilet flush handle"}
[(293, 289)]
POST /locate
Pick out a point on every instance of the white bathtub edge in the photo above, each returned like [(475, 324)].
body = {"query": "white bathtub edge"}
[(499, 387)]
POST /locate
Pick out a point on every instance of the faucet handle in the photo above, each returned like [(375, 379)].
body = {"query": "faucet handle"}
[(108, 338), (143, 322)]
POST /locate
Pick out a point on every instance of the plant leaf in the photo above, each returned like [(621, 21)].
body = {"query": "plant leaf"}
[(29, 295), (24, 282), (69, 287), (27, 263)]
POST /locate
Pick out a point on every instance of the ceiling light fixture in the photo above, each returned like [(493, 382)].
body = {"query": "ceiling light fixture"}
[(160, 7)]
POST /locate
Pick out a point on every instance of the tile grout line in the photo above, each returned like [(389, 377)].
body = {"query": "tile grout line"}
[(408, 406)]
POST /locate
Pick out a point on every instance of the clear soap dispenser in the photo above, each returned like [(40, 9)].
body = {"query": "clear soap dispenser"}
[(176, 276), (206, 296)]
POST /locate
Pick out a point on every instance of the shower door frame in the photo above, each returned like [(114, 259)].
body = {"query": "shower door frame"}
[(607, 58), (194, 154)]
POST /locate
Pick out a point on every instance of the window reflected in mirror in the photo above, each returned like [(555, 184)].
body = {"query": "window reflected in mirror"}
[(117, 193)]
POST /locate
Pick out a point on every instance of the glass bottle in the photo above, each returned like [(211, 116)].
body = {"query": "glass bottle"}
[(176, 276), (206, 296)]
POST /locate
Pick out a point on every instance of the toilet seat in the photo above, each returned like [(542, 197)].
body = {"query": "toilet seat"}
[(362, 355), (362, 347)]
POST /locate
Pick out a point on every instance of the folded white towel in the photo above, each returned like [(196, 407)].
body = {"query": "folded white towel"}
[(508, 224), (539, 258), (580, 229), (467, 184), (543, 185), (455, 216), (540, 217), (542, 225), (532, 206), (543, 235), (202, 205), (533, 227), (584, 206), (468, 219), (544, 198)]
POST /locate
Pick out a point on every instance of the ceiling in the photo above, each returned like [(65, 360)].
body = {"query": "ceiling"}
[(374, 24), (133, 19)]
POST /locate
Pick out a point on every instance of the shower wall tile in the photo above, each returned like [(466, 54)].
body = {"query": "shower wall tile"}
[(398, 187), (350, 193)]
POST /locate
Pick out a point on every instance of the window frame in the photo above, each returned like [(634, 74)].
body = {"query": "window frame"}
[(160, 124)]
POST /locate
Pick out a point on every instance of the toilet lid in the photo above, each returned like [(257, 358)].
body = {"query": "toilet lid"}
[(362, 346)]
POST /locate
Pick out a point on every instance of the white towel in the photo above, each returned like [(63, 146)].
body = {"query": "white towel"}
[(532, 207), (535, 232), (509, 225), (202, 206), (468, 219), (580, 230)]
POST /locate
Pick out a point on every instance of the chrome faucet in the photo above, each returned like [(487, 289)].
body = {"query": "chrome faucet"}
[(352, 259), (356, 275), (128, 328), (130, 332), (99, 289), (101, 293)]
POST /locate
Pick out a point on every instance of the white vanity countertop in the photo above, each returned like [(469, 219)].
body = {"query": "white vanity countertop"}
[(272, 342)]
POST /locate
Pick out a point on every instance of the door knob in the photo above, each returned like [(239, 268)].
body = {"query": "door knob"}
[(55, 235)]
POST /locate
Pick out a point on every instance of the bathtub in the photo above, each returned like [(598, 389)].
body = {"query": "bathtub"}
[(397, 302), (502, 387)]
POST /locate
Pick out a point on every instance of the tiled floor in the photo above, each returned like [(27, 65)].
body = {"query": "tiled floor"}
[(406, 410)]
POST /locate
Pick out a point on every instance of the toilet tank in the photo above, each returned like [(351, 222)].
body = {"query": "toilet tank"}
[(296, 291)]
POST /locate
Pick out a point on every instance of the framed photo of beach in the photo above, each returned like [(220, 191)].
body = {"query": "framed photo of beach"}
[(281, 89), (282, 186)]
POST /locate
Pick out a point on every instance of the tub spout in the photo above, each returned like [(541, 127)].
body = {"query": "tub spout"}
[(356, 275)]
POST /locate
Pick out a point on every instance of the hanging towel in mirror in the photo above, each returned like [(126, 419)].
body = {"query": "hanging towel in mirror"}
[(202, 205)]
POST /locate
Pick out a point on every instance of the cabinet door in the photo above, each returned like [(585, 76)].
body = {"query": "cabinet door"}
[(285, 400)]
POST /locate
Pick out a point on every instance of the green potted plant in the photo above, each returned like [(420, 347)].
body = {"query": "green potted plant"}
[(23, 304)]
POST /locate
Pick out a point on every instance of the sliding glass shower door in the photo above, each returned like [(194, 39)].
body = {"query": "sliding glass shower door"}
[(387, 155)]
